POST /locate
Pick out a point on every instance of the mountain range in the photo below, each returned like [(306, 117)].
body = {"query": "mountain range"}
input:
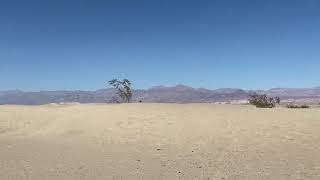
[(160, 94)]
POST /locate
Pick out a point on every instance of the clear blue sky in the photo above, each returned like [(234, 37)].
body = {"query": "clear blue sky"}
[(81, 44)]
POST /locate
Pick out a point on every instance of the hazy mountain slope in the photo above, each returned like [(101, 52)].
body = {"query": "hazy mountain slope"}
[(176, 94), (294, 92)]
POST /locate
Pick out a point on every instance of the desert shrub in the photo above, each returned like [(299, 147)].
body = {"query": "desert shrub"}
[(123, 89), (262, 101), (305, 106), (297, 106)]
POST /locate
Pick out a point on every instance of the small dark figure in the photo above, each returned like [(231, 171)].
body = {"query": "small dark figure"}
[(278, 100), (140, 101)]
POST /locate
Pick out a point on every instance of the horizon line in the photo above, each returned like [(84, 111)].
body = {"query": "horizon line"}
[(165, 86)]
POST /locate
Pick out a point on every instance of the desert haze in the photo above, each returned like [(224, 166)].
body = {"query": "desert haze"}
[(160, 94), (158, 141)]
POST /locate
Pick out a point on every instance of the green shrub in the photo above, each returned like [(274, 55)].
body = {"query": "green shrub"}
[(123, 88)]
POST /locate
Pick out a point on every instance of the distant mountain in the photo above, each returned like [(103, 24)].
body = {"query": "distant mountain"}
[(294, 92), (161, 94)]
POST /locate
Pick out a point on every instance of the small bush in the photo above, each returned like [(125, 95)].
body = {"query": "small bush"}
[(263, 101), (297, 106)]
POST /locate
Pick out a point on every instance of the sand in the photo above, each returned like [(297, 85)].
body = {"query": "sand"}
[(158, 141)]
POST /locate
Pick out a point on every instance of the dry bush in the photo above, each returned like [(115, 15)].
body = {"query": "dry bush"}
[(263, 101), (297, 106)]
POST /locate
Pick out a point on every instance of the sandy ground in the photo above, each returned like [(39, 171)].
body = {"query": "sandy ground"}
[(158, 141)]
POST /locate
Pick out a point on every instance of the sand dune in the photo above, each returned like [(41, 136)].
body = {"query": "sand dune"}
[(158, 141)]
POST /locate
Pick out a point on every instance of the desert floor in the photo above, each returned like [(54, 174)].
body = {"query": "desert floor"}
[(158, 141)]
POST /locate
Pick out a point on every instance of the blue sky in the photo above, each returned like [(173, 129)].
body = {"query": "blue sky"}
[(81, 44)]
